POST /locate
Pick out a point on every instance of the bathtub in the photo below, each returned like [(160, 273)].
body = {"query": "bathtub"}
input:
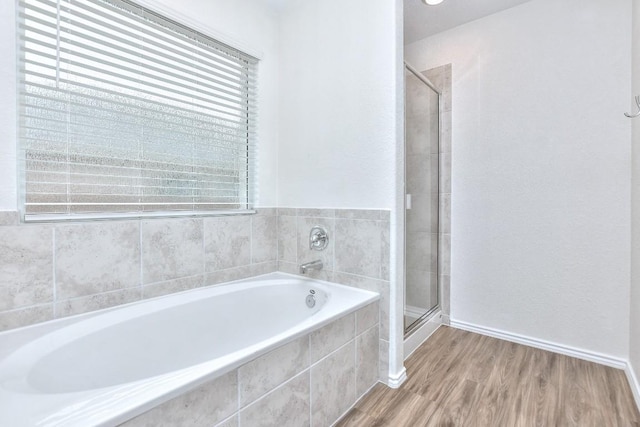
[(105, 367)]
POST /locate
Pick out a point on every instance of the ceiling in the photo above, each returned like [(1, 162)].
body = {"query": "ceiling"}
[(422, 21)]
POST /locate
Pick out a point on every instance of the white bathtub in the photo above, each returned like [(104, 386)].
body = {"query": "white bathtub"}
[(103, 368)]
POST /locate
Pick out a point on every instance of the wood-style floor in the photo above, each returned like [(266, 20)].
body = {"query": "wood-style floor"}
[(459, 378)]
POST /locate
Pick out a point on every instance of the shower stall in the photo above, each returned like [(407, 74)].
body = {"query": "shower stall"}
[(422, 149)]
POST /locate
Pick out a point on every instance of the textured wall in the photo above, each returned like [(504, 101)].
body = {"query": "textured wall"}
[(337, 104), (541, 172), (8, 43), (634, 335)]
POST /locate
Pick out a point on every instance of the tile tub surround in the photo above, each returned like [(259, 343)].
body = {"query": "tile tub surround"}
[(311, 381), (50, 271), (357, 255)]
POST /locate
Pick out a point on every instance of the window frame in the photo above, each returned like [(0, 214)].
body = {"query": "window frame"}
[(175, 18)]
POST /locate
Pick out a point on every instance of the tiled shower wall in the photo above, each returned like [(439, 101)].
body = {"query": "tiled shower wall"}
[(441, 77), (49, 271)]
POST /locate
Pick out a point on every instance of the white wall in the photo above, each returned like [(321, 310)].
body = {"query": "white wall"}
[(634, 336), (337, 105), (541, 174), (250, 25), (8, 190)]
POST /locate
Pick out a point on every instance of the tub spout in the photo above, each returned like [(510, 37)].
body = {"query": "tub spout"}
[(313, 265)]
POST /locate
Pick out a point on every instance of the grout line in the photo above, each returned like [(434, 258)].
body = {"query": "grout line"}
[(229, 418), (53, 273), (377, 325), (297, 221), (141, 254), (277, 217), (264, 396), (310, 394), (251, 218), (351, 340), (204, 250), (355, 355), (310, 384), (238, 391), (26, 307)]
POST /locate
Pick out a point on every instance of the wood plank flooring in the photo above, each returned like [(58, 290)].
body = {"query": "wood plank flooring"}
[(459, 378)]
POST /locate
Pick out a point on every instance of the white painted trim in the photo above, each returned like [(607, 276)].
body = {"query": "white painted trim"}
[(420, 335), (633, 383), (396, 381), (542, 344)]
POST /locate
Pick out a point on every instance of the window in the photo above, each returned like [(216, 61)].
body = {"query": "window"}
[(125, 112)]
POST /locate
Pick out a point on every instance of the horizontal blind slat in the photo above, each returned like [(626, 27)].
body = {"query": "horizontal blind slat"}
[(236, 139), (153, 30), (231, 104), (232, 125), (239, 85), (234, 67)]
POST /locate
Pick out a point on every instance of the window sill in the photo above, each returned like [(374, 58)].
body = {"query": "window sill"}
[(38, 218)]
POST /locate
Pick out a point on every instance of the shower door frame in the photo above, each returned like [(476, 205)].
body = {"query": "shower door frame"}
[(429, 313)]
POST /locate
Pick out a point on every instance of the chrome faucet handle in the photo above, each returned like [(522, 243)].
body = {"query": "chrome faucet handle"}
[(318, 238)]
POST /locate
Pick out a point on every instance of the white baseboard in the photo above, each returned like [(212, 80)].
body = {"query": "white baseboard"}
[(396, 381), (544, 345), (633, 383)]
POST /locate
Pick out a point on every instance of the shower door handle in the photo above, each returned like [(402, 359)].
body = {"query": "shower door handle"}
[(408, 201)]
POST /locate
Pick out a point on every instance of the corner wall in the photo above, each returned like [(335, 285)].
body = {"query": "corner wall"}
[(634, 332), (341, 118), (541, 174)]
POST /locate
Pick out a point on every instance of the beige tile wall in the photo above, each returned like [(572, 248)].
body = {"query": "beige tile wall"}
[(357, 254), (49, 271)]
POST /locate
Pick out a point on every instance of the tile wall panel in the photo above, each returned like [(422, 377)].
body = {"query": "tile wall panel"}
[(50, 271), (358, 253)]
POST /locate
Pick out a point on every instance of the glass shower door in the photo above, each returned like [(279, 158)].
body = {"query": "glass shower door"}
[(421, 214)]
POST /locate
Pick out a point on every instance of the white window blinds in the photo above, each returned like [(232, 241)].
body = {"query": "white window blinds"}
[(124, 111)]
